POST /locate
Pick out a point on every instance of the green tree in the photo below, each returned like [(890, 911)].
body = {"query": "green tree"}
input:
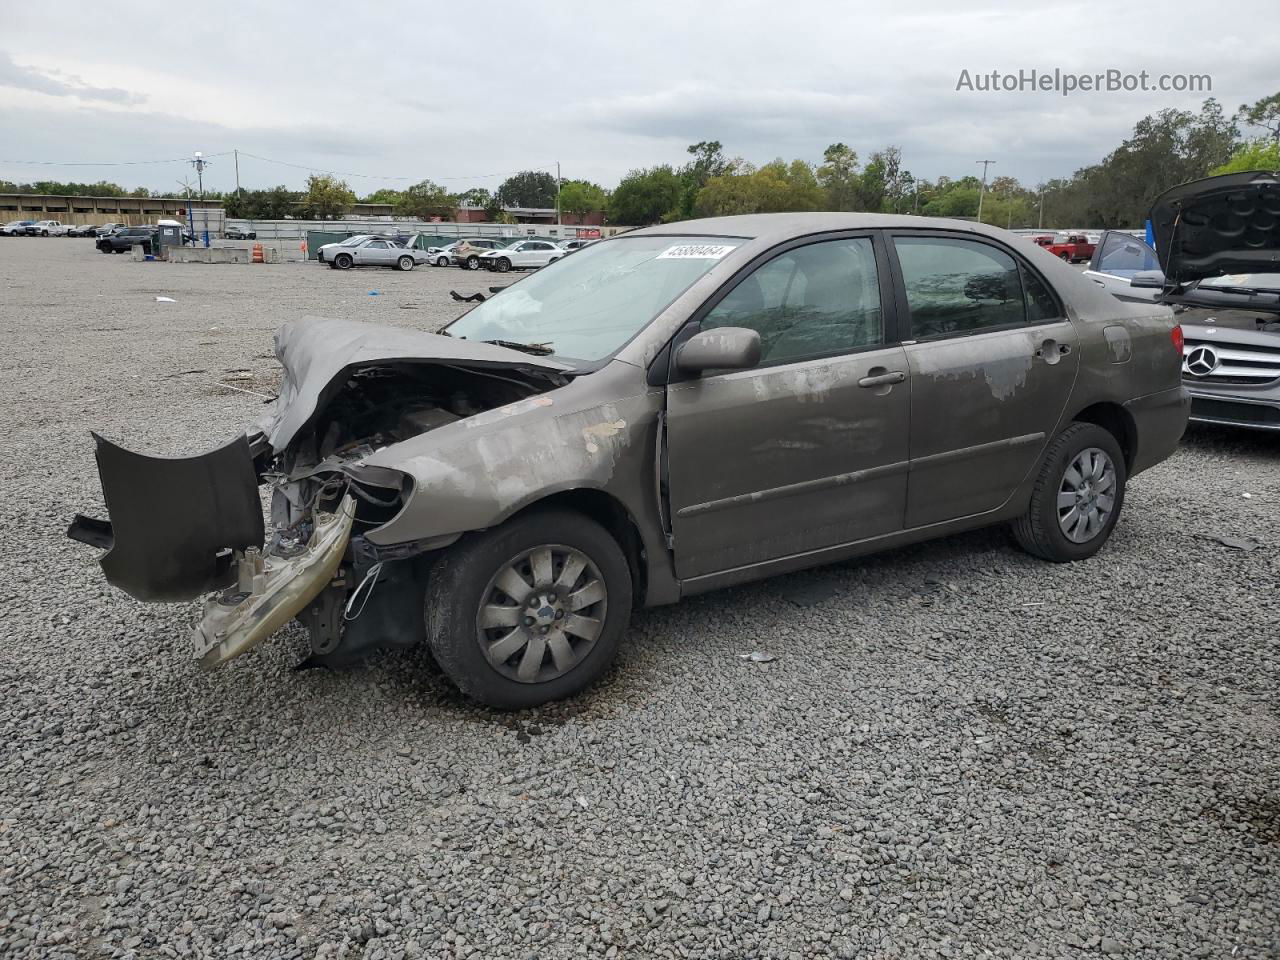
[(426, 200), (708, 161), (838, 176), (645, 196), (475, 197), (1265, 113), (529, 188), (274, 204), (1254, 155), (581, 197), (326, 197), (773, 188), (383, 195)]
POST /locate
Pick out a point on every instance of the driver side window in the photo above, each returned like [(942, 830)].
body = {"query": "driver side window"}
[(812, 301), (1123, 256)]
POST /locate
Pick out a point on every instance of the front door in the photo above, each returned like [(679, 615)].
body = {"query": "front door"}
[(1119, 257), (809, 448), (992, 358)]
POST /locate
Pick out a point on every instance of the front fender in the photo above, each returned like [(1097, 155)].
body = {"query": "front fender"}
[(475, 474)]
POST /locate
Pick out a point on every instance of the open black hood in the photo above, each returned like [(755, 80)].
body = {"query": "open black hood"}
[(1219, 225)]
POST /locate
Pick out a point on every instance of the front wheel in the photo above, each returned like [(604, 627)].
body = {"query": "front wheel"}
[(503, 265), (405, 263), (1077, 496), (343, 261), (531, 611), (442, 261)]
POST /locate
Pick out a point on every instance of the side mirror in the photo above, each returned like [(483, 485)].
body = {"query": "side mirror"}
[(722, 348), (1151, 279)]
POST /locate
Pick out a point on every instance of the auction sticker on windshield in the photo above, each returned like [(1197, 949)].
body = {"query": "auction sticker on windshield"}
[(695, 251)]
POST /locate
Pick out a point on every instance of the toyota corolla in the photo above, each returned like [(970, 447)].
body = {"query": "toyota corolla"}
[(667, 412)]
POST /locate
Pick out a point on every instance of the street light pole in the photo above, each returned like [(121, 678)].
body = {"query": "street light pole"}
[(199, 162), (982, 191), (558, 193)]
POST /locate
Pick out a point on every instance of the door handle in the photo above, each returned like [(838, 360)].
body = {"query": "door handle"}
[(1100, 283), (882, 379), (1051, 350)]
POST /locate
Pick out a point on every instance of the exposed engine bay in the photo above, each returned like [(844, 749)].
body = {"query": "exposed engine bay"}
[(189, 527)]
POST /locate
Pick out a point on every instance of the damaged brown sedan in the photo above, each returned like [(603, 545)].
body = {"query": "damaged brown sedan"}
[(668, 412)]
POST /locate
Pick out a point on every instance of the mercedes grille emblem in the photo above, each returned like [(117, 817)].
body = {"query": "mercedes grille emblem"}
[(1202, 361)]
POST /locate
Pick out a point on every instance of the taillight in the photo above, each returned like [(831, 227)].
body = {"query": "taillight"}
[(1178, 339)]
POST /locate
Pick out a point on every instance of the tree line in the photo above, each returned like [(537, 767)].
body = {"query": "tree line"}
[(1164, 149)]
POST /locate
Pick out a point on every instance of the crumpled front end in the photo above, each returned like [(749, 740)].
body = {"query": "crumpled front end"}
[(191, 527)]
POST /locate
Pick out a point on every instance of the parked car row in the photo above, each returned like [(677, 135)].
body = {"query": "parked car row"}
[(502, 253), (55, 228)]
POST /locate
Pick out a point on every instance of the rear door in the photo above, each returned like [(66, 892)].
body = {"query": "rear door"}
[(809, 448), (1116, 258), (992, 359)]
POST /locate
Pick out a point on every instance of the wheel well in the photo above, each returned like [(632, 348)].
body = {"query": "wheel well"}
[(615, 518), (1118, 422)]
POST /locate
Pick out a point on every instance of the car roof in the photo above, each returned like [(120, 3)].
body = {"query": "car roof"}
[(779, 227)]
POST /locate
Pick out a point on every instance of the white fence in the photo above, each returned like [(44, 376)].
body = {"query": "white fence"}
[(297, 229)]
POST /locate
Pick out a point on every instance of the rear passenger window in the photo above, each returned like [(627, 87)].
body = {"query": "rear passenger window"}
[(813, 301), (1041, 304), (958, 286)]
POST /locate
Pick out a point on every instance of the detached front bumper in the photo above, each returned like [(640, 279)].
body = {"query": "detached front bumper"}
[(188, 527)]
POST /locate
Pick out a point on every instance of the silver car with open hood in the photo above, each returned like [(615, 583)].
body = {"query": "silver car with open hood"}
[(1217, 263)]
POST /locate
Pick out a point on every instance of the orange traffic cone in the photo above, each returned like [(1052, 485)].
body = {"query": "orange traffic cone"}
[(257, 253)]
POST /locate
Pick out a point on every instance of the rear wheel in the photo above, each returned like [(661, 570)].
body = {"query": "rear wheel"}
[(343, 261), (473, 262), (405, 263), (1077, 497), (531, 611)]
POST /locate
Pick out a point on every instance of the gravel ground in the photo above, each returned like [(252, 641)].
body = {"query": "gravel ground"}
[(959, 751)]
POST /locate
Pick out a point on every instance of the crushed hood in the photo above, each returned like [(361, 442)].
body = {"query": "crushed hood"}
[(1219, 225), (318, 355)]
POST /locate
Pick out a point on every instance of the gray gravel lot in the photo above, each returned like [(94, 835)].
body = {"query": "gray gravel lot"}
[(959, 752)]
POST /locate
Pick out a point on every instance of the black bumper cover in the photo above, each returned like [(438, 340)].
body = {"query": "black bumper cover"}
[(174, 521)]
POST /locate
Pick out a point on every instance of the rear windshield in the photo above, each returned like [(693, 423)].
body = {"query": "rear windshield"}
[(587, 306)]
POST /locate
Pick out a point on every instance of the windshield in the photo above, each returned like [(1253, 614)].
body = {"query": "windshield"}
[(1250, 281), (354, 241), (586, 306)]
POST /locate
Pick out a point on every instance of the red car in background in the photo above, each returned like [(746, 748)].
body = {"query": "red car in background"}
[(1074, 247)]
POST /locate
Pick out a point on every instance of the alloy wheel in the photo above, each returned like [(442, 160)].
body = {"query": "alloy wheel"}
[(1087, 495), (541, 613)]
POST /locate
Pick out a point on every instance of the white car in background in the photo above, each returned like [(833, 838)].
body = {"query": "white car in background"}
[(522, 255), (47, 228), (442, 256), (576, 243)]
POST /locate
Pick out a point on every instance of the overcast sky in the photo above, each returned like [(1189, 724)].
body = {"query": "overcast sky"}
[(412, 90)]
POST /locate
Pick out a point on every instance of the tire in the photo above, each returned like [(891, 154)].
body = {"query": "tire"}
[(1065, 257), (343, 261), (1046, 529), (463, 581), (405, 264), (442, 261), (552, 260), (502, 265), (473, 262)]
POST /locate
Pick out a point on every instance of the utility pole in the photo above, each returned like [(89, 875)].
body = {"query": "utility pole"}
[(199, 162), (983, 190), (557, 193), (1040, 225), (237, 153)]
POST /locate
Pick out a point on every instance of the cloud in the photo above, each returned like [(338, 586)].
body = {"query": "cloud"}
[(54, 83)]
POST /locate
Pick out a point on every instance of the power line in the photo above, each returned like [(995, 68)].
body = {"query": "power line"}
[(370, 176), (105, 163)]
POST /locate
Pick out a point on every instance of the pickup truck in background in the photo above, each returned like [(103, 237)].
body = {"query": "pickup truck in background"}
[(1073, 247), (47, 228)]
